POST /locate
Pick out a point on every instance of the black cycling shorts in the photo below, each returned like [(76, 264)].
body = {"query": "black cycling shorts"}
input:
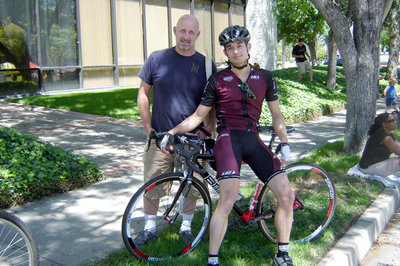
[(234, 146)]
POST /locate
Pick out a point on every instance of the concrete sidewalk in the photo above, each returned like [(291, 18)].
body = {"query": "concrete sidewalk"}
[(84, 225)]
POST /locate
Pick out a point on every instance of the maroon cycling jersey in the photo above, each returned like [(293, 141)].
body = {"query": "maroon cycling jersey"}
[(238, 104)]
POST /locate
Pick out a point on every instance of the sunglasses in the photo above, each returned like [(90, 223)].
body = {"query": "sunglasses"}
[(391, 121)]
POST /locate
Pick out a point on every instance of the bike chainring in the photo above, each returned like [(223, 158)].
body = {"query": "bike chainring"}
[(240, 225)]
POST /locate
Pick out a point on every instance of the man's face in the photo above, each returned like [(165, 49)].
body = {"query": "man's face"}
[(237, 52), (186, 33)]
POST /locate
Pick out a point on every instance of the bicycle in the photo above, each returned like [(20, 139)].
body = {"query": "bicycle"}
[(314, 204), (17, 243)]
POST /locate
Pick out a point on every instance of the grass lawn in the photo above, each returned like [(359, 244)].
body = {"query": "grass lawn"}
[(118, 103), (299, 100)]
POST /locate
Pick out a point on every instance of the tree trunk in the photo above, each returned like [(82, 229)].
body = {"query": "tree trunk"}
[(283, 53), (313, 50), (394, 42), (359, 49), (332, 58)]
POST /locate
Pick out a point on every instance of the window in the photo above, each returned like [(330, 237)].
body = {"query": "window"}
[(221, 22), (156, 25), (202, 11)]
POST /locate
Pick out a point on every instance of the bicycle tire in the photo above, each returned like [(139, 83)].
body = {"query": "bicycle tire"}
[(168, 243), (17, 243), (315, 189)]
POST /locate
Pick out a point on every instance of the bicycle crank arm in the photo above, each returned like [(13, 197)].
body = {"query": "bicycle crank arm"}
[(269, 214)]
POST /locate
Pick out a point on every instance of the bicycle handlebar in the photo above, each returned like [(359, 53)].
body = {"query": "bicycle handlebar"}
[(191, 139), (195, 142)]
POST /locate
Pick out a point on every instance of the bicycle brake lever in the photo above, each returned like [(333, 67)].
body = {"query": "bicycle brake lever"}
[(151, 136)]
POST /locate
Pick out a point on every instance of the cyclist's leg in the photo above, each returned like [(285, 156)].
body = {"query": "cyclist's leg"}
[(229, 189), (280, 187), (228, 156), (267, 167)]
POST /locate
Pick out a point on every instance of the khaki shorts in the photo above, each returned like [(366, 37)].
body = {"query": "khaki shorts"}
[(303, 66), (156, 163), (384, 168)]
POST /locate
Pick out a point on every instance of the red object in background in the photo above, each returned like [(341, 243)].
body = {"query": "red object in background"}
[(32, 65)]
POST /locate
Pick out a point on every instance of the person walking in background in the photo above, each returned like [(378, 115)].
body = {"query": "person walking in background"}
[(238, 93), (391, 95), (380, 145), (177, 77), (299, 53)]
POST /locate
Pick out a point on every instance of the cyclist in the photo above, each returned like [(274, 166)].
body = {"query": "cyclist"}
[(238, 92)]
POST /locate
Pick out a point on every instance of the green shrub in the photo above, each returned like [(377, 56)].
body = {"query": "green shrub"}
[(31, 169), (301, 101)]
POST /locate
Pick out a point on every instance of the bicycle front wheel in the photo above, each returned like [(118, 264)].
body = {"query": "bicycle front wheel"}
[(167, 192), (313, 208), (17, 244)]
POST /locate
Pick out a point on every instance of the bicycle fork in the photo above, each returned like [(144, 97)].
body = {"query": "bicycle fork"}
[(182, 190)]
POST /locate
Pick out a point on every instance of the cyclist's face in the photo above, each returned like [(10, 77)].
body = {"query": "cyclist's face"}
[(186, 33), (237, 52)]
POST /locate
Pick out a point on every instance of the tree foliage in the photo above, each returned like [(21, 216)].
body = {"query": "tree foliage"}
[(393, 35), (298, 18)]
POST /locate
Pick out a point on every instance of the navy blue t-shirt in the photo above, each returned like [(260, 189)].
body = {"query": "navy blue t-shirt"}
[(178, 84)]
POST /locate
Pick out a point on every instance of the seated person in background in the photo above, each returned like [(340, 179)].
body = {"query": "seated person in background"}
[(380, 145)]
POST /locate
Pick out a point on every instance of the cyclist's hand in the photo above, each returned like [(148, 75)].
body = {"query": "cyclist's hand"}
[(285, 152), (166, 144)]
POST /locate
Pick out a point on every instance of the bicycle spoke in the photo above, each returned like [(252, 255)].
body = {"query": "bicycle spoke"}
[(17, 245), (165, 242), (315, 191)]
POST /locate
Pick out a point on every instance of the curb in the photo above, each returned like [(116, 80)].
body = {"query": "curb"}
[(355, 244)]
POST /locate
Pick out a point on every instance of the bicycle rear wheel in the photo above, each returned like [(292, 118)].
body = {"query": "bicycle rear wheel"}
[(17, 244), (168, 243), (314, 206)]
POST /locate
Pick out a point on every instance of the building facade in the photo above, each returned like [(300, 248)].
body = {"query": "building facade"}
[(88, 44)]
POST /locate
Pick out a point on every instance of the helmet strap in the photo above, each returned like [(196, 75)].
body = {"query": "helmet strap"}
[(239, 67)]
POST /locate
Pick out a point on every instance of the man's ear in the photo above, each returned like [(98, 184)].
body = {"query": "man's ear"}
[(248, 47), (225, 52)]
